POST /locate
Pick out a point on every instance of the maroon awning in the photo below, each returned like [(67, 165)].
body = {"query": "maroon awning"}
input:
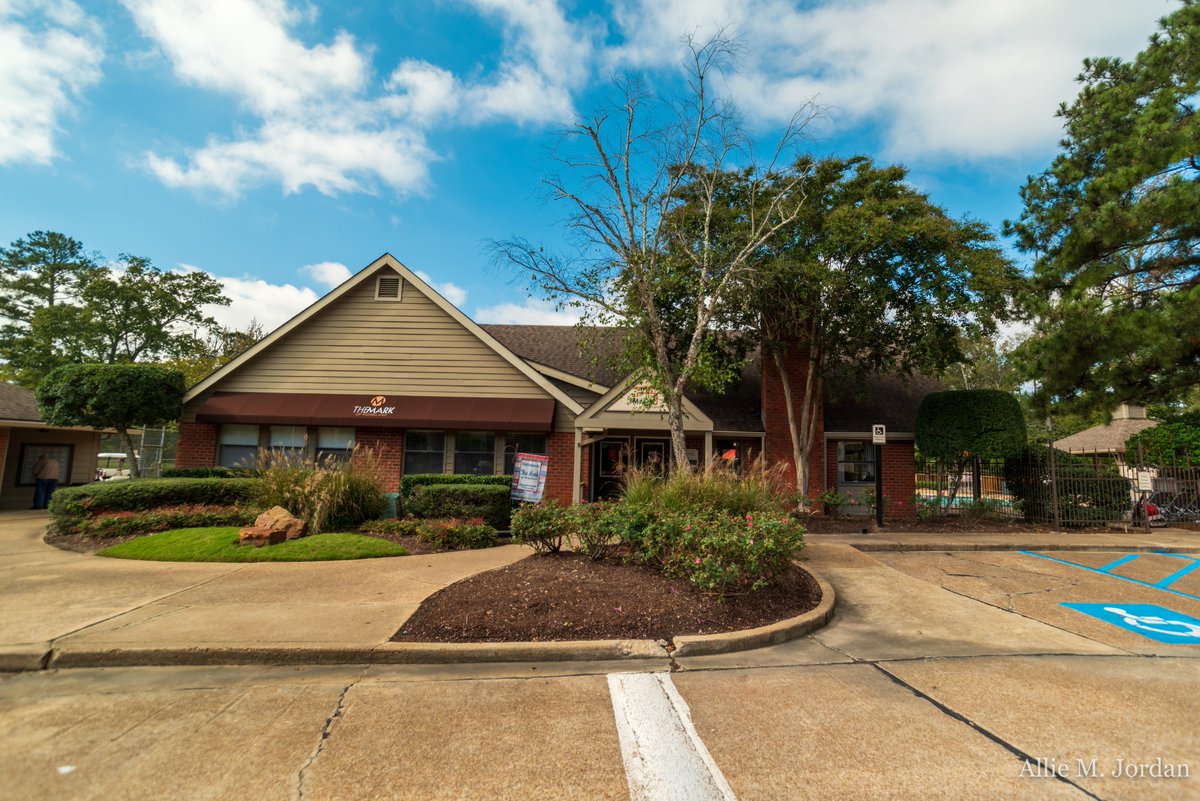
[(379, 411)]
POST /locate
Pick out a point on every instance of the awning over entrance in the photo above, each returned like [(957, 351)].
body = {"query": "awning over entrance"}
[(380, 411)]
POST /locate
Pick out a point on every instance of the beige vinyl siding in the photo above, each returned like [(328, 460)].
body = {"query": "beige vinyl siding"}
[(360, 344)]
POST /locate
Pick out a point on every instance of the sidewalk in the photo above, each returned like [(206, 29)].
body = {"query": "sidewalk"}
[(64, 609), (81, 609), (1169, 540)]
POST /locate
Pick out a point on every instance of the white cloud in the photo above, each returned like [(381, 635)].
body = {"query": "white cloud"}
[(320, 127), (450, 291), (50, 52), (327, 273), (944, 78), (324, 123), (532, 312), (254, 299)]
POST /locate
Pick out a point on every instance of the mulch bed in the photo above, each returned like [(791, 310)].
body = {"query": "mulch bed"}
[(566, 596)]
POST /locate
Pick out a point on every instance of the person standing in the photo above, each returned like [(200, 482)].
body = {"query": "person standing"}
[(46, 473)]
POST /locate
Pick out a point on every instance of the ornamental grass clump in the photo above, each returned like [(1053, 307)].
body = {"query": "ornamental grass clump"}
[(718, 489), (324, 493)]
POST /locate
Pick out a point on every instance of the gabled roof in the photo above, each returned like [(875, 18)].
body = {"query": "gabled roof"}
[(18, 403), (411, 279), (1108, 438)]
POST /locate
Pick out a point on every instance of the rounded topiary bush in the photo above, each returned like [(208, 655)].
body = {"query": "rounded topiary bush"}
[(987, 423)]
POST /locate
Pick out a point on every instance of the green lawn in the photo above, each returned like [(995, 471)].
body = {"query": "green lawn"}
[(221, 545)]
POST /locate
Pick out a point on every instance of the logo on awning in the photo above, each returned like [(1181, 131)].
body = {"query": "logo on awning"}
[(376, 407)]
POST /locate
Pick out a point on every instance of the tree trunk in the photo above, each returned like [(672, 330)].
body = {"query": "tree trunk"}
[(127, 441), (678, 441), (799, 460)]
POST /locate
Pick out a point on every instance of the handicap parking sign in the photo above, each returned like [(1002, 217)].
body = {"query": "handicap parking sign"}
[(1148, 620)]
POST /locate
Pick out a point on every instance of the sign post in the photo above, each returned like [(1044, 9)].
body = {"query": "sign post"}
[(879, 439)]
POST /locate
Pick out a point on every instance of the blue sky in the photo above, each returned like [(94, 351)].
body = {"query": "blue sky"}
[(280, 145)]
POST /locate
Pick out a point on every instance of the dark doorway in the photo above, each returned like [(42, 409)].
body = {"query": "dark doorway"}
[(608, 466)]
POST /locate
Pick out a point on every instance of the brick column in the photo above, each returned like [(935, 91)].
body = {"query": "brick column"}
[(899, 478), (560, 447), (387, 444), (197, 445)]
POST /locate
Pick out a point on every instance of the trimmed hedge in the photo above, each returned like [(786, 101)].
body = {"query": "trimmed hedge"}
[(489, 501), (457, 534), (121, 524), (71, 505), (409, 484), (209, 473), (986, 423)]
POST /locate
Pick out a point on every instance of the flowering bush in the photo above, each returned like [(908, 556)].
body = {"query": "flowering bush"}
[(722, 553), (543, 526), (457, 533), (402, 527), (927, 506), (600, 527)]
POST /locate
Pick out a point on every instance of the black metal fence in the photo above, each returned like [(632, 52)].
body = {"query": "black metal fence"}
[(1061, 488)]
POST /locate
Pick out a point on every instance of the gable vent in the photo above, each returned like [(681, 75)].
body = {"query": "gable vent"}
[(387, 287)]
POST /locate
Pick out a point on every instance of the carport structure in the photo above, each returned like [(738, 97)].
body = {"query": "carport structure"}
[(24, 437)]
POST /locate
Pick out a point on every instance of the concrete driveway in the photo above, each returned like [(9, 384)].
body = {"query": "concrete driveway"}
[(942, 676)]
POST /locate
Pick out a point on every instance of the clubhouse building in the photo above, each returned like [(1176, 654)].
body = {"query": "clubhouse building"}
[(383, 361)]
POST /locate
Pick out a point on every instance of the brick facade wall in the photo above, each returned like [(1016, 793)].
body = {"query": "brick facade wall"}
[(560, 447), (197, 445), (388, 447), (777, 444), (899, 475)]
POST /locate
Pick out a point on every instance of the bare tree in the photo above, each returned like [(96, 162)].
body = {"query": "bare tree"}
[(669, 277)]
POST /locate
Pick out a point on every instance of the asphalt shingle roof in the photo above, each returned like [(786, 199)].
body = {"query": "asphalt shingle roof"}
[(850, 404), (1108, 438), (18, 403)]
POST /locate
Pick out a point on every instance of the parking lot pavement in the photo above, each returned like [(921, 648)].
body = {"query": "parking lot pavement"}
[(941, 675), (1038, 585)]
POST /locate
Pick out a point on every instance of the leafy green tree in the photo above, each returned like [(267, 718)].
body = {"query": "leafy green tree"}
[(1175, 440), (119, 396), (140, 313), (1114, 226), (967, 425), (871, 277), (58, 306), (221, 345)]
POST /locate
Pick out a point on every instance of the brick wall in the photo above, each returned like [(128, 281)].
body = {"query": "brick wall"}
[(197, 445), (388, 446), (899, 475), (560, 447), (777, 444)]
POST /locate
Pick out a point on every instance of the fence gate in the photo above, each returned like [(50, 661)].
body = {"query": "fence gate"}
[(151, 451)]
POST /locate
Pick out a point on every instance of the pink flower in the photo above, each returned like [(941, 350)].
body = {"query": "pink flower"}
[(697, 560), (748, 517), (751, 542), (688, 527)]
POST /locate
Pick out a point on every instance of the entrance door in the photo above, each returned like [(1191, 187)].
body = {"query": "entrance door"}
[(608, 466), (653, 454)]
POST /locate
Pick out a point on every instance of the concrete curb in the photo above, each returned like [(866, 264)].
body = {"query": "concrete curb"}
[(903, 547), (775, 633), (401, 653), (18, 658)]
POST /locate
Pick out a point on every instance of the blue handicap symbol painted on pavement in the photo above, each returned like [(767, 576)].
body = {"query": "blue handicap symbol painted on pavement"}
[(1148, 620)]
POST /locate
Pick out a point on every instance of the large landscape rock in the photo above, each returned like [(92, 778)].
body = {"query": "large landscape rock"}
[(272, 527)]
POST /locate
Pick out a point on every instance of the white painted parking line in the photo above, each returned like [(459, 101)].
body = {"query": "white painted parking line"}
[(663, 755)]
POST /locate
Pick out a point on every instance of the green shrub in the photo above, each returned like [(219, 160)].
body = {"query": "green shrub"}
[(71, 505), (543, 526), (210, 472), (722, 554), (457, 533), (926, 506), (833, 501), (401, 527), (1088, 494), (489, 501), (987, 423), (1174, 441), (598, 527), (330, 493), (121, 524), (409, 484)]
